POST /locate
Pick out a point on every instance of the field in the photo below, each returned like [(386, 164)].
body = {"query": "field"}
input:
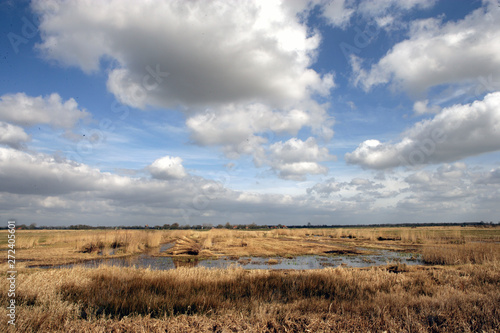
[(457, 290)]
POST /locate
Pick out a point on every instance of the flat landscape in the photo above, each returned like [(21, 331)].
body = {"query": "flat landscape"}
[(424, 279)]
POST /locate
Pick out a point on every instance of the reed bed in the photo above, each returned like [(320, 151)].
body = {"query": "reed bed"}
[(110, 299), (470, 253), (460, 295)]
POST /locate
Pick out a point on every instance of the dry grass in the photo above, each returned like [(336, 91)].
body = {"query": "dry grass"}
[(455, 299), (462, 296), (52, 247), (471, 253), (217, 242), (44, 247)]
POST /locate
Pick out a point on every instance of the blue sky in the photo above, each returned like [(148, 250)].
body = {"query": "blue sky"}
[(207, 112)]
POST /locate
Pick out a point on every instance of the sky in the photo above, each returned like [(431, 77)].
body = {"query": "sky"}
[(123, 112)]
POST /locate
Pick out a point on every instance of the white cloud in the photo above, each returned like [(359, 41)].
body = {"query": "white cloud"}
[(490, 178), (57, 190), (358, 189), (61, 190), (167, 168), (24, 173), (422, 107), (24, 110), (325, 188), (439, 53), (295, 158), (238, 70), (233, 128), (381, 8), (213, 51), (338, 12), (457, 132), (12, 136), (449, 187), (234, 124)]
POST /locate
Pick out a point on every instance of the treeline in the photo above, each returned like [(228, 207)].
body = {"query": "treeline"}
[(404, 225), (254, 226)]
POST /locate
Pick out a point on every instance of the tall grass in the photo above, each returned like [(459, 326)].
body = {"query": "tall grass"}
[(470, 253), (201, 300), (126, 241)]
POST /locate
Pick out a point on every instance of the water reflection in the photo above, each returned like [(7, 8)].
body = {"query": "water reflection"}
[(186, 262), (380, 257)]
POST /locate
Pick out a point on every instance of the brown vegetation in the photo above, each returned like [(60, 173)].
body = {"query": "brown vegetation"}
[(461, 299), (54, 247), (460, 294), (470, 253)]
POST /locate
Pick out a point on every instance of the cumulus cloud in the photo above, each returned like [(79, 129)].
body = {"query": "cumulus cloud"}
[(338, 12), (24, 110), (167, 168), (13, 136), (439, 53), (449, 187), (295, 158), (422, 107), (60, 190), (357, 189), (237, 70), (213, 51), (24, 173), (449, 192), (489, 178), (381, 8), (326, 188), (457, 132), (51, 187), (234, 124), (241, 130)]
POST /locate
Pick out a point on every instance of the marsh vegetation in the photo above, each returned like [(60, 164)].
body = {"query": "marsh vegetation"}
[(457, 290)]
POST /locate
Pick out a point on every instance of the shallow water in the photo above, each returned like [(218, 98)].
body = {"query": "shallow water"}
[(379, 257)]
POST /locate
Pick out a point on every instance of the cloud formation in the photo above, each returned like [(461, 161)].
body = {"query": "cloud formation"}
[(422, 107), (457, 132), (437, 53), (24, 110), (13, 136), (53, 188), (167, 167), (259, 52), (295, 158), (236, 69)]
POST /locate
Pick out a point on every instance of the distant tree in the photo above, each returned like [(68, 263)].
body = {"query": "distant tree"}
[(32, 226), (228, 225), (174, 226)]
